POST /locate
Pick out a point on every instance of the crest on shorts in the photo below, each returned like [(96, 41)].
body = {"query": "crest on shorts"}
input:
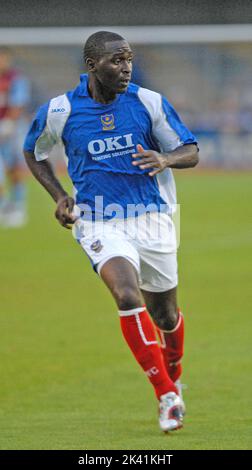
[(96, 246), (108, 122)]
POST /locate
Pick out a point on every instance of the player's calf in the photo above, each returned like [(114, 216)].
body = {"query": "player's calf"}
[(172, 346), (139, 332)]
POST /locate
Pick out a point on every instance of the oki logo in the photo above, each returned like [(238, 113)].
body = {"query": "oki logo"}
[(110, 143)]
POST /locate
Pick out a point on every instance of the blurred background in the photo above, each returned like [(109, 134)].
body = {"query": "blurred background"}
[(204, 70), (208, 83), (54, 311)]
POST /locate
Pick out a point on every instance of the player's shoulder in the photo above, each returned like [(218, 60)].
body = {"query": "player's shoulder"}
[(133, 88), (59, 105), (150, 99), (54, 114)]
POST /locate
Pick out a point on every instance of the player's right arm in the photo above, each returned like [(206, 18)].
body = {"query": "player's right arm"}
[(44, 173), (38, 143)]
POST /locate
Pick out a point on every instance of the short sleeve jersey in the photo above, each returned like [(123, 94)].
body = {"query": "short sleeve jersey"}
[(99, 141)]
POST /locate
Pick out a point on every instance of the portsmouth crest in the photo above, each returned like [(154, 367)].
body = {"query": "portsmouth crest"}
[(96, 246), (108, 122)]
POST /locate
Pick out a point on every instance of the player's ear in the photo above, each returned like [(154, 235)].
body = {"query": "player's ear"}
[(90, 63)]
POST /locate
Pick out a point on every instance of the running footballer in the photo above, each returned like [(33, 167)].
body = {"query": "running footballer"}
[(121, 142)]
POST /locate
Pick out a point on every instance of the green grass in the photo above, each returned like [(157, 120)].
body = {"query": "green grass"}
[(68, 380)]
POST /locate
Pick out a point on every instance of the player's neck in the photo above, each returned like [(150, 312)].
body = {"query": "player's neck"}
[(98, 92)]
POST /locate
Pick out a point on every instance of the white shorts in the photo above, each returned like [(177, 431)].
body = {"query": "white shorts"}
[(148, 242)]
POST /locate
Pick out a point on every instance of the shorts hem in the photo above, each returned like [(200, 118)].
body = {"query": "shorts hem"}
[(158, 289)]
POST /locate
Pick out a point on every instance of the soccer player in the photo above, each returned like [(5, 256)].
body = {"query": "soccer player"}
[(121, 141), (14, 97)]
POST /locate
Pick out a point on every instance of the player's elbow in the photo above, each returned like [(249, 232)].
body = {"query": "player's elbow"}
[(195, 160), (195, 156)]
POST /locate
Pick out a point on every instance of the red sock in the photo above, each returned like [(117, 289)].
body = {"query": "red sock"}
[(172, 347), (139, 332)]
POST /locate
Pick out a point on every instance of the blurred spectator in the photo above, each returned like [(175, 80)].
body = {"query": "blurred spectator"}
[(209, 85), (14, 98)]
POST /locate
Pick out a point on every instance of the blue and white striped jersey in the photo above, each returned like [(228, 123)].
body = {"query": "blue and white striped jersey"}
[(99, 141)]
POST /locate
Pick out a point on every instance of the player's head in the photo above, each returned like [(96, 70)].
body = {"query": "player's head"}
[(109, 57), (5, 58)]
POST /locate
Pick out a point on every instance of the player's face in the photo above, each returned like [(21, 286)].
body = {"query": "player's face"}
[(114, 68)]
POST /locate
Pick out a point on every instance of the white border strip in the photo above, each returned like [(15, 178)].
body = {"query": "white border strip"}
[(129, 313), (137, 34), (140, 329)]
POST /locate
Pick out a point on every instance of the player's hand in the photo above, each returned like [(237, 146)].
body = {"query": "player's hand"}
[(64, 211), (150, 159)]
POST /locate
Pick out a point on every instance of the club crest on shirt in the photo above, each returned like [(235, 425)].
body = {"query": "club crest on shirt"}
[(96, 246), (108, 122)]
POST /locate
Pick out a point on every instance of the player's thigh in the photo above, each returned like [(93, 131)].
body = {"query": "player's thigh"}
[(159, 287), (162, 305), (115, 259), (121, 278)]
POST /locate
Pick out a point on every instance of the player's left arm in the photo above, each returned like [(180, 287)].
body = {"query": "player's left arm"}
[(178, 146), (185, 156)]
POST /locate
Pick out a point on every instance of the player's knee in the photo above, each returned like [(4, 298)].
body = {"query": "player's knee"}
[(166, 318), (127, 298)]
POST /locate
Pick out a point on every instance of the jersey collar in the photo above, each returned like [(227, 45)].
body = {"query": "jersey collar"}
[(82, 90), (83, 87)]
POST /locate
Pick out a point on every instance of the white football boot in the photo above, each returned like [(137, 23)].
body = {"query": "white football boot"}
[(170, 412)]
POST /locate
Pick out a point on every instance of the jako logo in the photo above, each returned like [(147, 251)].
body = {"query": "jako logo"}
[(58, 110), (111, 143)]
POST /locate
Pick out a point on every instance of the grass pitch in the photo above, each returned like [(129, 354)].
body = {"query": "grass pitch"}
[(68, 380)]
